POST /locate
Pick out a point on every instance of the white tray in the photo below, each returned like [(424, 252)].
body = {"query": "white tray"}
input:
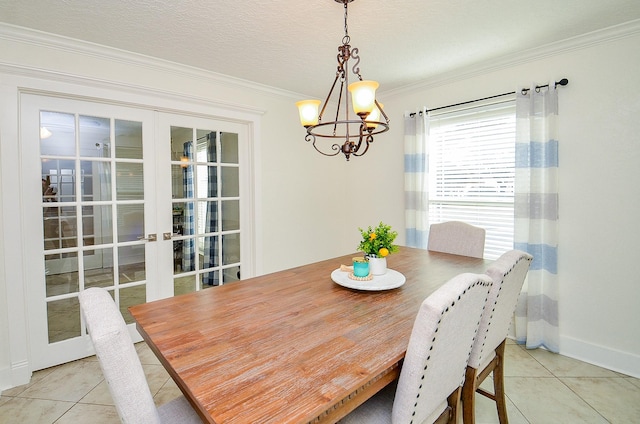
[(391, 280)]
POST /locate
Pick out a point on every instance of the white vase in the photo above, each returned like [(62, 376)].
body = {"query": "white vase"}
[(377, 266)]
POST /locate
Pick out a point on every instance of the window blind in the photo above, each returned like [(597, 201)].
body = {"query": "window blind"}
[(472, 170)]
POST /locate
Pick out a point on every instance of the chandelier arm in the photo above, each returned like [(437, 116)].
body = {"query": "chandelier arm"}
[(337, 118), (368, 141), (355, 69), (311, 138), (386, 118), (326, 101)]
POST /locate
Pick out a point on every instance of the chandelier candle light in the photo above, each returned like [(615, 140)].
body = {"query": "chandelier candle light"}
[(357, 132)]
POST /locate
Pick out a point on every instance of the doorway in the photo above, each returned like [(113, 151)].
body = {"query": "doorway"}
[(143, 203)]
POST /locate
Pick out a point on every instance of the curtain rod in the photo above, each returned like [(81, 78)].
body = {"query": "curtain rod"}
[(562, 82)]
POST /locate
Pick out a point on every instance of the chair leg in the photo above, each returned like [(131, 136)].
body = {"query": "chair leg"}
[(498, 385), (469, 396), (453, 402), (451, 415)]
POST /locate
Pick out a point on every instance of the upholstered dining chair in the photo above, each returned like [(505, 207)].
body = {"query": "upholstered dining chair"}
[(428, 389), (457, 238), (487, 356), (121, 366)]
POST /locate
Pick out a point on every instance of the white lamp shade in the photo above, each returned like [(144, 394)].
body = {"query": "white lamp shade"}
[(308, 112), (363, 96)]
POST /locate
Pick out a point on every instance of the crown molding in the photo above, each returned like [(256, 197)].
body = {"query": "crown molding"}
[(583, 41), (52, 41)]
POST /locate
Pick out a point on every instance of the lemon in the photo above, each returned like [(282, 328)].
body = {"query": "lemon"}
[(372, 236), (383, 252)]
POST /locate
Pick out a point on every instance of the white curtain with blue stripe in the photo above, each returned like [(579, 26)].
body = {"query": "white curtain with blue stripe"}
[(416, 178), (536, 215)]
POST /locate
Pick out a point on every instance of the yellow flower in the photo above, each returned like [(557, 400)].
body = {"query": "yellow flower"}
[(372, 236), (383, 252)]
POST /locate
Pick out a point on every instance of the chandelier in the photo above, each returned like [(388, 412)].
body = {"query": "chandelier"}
[(356, 130)]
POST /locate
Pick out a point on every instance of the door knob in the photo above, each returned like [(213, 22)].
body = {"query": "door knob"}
[(151, 237)]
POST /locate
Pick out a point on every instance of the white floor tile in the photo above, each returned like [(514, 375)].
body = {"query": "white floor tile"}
[(68, 382), (518, 362), (548, 400), (617, 399), (99, 414), (32, 411)]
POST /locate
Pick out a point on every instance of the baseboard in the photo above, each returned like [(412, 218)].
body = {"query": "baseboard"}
[(17, 375), (602, 356), (5, 379)]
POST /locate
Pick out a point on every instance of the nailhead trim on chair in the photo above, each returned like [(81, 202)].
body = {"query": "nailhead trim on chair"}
[(415, 405), (496, 302)]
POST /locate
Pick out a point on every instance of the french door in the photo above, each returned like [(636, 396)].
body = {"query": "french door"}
[(143, 203)]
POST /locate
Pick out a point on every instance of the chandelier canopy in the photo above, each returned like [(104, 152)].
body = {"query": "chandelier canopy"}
[(357, 131)]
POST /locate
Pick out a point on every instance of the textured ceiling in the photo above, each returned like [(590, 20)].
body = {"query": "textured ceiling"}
[(292, 45)]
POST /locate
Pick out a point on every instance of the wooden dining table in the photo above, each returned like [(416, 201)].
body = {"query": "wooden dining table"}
[(292, 346)]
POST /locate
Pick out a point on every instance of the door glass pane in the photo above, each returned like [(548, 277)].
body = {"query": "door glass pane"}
[(129, 181), (96, 180), (131, 296), (229, 147), (60, 278), (59, 224), (230, 248), (210, 279), (202, 177), (97, 224), (63, 319), (207, 217), (57, 134), (95, 136), (98, 268), (178, 174), (131, 263), (130, 222), (230, 182), (231, 274), (58, 180), (184, 284), (230, 215), (128, 136), (205, 146), (209, 248)]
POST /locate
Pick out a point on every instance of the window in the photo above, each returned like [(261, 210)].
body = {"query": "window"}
[(472, 169)]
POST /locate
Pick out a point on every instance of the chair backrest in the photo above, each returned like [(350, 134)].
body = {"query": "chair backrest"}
[(118, 358), (439, 347), (508, 273), (458, 238)]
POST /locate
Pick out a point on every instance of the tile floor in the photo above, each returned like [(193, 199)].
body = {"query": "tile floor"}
[(542, 388)]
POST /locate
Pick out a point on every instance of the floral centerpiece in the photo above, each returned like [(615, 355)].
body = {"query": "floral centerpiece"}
[(378, 242)]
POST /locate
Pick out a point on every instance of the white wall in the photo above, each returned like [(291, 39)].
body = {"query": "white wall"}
[(310, 206), (599, 179)]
